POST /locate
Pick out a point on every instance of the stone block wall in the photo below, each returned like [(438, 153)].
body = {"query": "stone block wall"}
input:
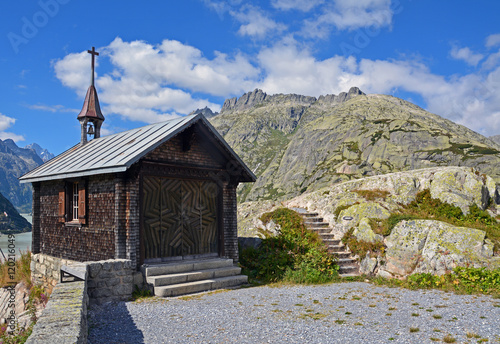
[(107, 280), (112, 280)]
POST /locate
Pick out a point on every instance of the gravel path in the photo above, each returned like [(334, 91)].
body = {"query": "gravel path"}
[(336, 313)]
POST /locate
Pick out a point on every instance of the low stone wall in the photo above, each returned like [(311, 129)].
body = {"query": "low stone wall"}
[(64, 319), (107, 280), (112, 280)]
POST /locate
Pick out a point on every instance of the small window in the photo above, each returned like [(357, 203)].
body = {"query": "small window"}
[(72, 202)]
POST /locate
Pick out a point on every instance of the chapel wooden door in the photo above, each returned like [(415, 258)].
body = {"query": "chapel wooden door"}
[(179, 218)]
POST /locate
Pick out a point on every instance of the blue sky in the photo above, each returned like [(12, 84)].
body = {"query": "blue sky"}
[(160, 59)]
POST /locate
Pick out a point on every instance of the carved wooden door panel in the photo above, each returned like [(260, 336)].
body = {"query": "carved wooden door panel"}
[(152, 217), (179, 217)]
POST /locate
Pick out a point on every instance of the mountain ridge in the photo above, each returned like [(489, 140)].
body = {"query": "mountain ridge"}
[(296, 143), (14, 162)]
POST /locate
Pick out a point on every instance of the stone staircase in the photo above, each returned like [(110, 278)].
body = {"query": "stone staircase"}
[(348, 266), (193, 276)]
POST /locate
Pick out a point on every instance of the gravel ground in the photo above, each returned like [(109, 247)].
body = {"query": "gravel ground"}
[(336, 313)]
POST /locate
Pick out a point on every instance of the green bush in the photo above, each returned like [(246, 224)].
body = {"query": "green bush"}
[(295, 255), (359, 247)]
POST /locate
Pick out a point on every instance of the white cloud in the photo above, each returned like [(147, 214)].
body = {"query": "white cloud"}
[(493, 40), (74, 71), (296, 4), (350, 15), (51, 108), (256, 23), (151, 83), (466, 55), (5, 123)]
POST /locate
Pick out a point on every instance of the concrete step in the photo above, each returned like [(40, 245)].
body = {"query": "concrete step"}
[(341, 255), (321, 230), (346, 261), (349, 269), (331, 242), (336, 248), (199, 286), (309, 214), (313, 219), (192, 276), (186, 266), (327, 236), (316, 224)]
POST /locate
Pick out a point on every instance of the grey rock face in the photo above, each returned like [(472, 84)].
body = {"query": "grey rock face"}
[(428, 246)]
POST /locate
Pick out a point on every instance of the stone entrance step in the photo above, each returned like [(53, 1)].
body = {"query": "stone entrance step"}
[(348, 265), (193, 276)]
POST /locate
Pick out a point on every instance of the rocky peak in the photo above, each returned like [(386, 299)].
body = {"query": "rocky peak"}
[(245, 101), (258, 96), (342, 97), (206, 111), (44, 154)]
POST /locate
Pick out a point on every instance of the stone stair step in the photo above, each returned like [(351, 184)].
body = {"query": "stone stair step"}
[(192, 276), (341, 255), (327, 236), (316, 224), (187, 266), (346, 261), (348, 269), (349, 275), (332, 242), (199, 286), (322, 230), (309, 214), (313, 219)]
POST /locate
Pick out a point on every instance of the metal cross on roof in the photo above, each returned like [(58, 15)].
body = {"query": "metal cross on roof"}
[(94, 54)]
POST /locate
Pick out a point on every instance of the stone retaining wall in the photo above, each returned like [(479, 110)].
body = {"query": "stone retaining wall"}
[(64, 319), (107, 280)]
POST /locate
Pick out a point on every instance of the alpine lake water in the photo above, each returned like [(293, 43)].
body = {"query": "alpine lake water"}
[(22, 242)]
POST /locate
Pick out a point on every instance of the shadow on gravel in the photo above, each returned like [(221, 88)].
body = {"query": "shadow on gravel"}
[(112, 324)]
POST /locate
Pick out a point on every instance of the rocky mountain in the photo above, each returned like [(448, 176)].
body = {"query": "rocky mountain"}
[(14, 162), (207, 112), (296, 143), (44, 154), (495, 138), (10, 220)]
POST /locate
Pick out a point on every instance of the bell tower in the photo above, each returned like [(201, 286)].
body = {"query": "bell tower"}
[(91, 117)]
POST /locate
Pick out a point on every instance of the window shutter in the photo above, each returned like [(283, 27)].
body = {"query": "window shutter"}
[(61, 214), (82, 214)]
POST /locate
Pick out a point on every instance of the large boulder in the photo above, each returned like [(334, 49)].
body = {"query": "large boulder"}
[(462, 188), (352, 216), (364, 232), (428, 246)]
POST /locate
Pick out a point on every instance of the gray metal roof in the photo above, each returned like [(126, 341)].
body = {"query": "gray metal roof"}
[(117, 152)]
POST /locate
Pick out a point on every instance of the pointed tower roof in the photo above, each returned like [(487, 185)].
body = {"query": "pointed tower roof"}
[(91, 107)]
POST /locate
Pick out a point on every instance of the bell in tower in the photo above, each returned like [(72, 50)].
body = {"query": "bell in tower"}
[(91, 117)]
